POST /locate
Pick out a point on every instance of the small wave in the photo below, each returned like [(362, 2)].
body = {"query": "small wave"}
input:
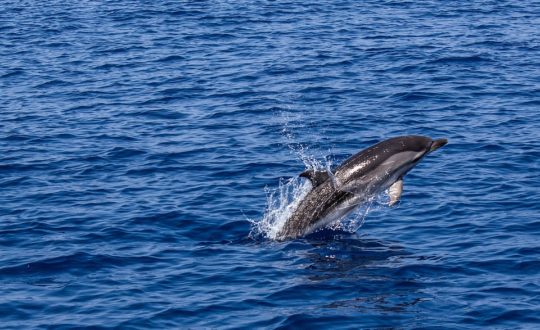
[(170, 58), (121, 153), (461, 59), (13, 72), (52, 83)]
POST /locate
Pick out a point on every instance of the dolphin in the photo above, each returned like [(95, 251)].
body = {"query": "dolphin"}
[(371, 171)]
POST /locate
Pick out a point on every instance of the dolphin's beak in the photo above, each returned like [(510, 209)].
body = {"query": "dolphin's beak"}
[(436, 144)]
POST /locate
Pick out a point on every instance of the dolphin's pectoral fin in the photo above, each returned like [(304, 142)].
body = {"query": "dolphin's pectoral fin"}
[(316, 177), (395, 191)]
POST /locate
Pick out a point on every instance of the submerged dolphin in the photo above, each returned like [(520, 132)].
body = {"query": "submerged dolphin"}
[(362, 176)]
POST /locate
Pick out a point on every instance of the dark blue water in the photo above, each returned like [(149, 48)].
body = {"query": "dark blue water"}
[(139, 142)]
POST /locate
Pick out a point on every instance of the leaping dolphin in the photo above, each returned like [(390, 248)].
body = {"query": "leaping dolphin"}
[(362, 176)]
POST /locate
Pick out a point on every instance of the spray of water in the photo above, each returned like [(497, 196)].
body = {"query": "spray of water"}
[(282, 201), (280, 204)]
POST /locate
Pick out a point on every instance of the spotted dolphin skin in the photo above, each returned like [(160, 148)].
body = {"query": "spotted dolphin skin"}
[(362, 176)]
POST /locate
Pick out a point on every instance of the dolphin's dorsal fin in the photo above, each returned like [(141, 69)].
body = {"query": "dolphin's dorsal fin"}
[(395, 191), (316, 177)]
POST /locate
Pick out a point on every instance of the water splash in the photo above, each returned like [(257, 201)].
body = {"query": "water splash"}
[(282, 201), (290, 124), (280, 205)]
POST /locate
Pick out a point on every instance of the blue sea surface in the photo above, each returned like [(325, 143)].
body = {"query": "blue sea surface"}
[(140, 142)]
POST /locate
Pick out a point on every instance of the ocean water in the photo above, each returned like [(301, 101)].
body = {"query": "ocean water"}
[(143, 143)]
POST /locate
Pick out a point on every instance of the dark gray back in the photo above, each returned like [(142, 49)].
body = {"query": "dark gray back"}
[(378, 153)]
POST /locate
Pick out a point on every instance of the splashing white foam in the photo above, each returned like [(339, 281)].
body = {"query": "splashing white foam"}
[(282, 201), (280, 204)]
